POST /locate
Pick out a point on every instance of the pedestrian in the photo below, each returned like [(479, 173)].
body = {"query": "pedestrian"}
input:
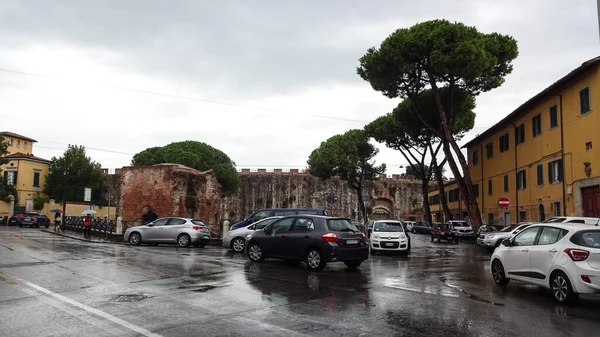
[(57, 221), (87, 226)]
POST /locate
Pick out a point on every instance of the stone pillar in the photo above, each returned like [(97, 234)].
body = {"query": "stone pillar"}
[(225, 227), (11, 206), (29, 204), (119, 225)]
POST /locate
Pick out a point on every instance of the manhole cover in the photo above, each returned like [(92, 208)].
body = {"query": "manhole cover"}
[(129, 298)]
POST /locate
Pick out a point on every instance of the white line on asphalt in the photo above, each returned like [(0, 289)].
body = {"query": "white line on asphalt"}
[(89, 309)]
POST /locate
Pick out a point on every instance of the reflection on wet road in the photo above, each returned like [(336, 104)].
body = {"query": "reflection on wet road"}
[(56, 286)]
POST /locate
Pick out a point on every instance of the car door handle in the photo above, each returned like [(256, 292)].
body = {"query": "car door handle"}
[(553, 250), (525, 250)]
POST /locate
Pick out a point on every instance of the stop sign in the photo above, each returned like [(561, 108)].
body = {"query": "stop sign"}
[(503, 202)]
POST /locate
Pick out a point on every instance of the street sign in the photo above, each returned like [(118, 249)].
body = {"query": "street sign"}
[(87, 195), (503, 202)]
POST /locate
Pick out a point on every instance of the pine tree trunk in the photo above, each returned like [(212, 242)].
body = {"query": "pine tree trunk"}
[(442, 191), (464, 180), (426, 206)]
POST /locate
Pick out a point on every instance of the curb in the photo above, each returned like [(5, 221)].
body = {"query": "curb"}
[(78, 238)]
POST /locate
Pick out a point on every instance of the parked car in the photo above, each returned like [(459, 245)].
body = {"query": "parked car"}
[(236, 239), (488, 229), (314, 239), (271, 212), (182, 231), (30, 219), (389, 235), (490, 241), (564, 258), (463, 229), (573, 219), (444, 232), (421, 227)]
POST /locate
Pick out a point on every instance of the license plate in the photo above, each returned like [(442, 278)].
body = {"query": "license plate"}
[(389, 244), (351, 242)]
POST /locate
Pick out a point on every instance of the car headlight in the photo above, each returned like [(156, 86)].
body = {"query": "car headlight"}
[(402, 236), (489, 236), (376, 236)]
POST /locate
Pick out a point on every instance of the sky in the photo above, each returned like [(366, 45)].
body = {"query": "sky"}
[(263, 81)]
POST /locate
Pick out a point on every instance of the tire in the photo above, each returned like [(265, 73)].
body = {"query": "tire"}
[(314, 259), (353, 264), (135, 239), (238, 244), (561, 287), (255, 253), (183, 240), (498, 273)]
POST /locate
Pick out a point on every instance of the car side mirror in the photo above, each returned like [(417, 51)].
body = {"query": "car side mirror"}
[(506, 242)]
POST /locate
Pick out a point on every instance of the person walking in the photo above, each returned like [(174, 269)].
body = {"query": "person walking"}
[(57, 221), (87, 226)]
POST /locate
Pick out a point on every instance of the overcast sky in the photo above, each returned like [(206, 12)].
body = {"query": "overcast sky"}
[(278, 65)]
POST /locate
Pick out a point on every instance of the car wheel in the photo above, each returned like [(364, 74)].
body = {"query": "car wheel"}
[(238, 245), (498, 273), (183, 240), (562, 289), (255, 253), (135, 239), (353, 264), (314, 259)]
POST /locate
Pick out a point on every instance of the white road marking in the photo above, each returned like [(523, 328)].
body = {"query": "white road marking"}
[(89, 309)]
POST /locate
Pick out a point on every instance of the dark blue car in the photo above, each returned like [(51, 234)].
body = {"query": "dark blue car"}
[(269, 212)]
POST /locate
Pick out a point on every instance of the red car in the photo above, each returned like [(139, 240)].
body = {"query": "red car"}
[(443, 232)]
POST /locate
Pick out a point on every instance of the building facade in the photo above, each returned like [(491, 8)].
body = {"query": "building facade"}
[(541, 157), (24, 170)]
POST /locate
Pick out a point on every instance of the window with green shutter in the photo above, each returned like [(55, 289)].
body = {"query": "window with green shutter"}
[(584, 101)]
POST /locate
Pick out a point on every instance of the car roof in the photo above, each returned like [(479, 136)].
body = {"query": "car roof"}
[(566, 225), (388, 221)]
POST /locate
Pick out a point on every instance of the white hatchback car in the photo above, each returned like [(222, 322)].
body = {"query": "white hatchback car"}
[(236, 239), (564, 258), (389, 235)]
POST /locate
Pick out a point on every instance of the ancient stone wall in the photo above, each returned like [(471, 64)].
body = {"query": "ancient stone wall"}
[(171, 190), (389, 197)]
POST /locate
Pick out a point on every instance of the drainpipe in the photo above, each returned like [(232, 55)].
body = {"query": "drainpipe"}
[(562, 155), (516, 182), (481, 181)]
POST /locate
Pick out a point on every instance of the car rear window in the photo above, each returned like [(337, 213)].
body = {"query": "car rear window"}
[(198, 223), (554, 220), (587, 238), (341, 225)]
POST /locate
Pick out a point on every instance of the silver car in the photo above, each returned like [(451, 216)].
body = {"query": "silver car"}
[(492, 240), (236, 239), (182, 231)]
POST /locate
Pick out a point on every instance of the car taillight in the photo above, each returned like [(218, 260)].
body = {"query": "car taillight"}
[(198, 227), (577, 254), (21, 216), (330, 237), (364, 236), (35, 217)]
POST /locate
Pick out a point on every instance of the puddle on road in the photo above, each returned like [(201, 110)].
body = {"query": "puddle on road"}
[(128, 298)]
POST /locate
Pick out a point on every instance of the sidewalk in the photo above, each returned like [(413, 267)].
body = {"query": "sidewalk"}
[(79, 236)]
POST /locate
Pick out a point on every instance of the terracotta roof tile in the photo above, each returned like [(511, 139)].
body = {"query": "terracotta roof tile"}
[(20, 155), (16, 135)]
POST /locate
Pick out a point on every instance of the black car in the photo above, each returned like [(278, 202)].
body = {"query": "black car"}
[(421, 227), (29, 219), (313, 239)]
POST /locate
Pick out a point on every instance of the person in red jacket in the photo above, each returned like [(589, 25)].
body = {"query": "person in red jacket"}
[(87, 226)]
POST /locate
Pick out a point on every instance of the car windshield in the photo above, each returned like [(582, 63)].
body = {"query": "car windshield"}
[(388, 227), (341, 225), (265, 222), (460, 224), (509, 229), (554, 220)]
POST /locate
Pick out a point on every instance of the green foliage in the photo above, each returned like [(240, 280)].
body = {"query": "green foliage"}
[(348, 156), (39, 201), (5, 190), (197, 155), (71, 173), (438, 51)]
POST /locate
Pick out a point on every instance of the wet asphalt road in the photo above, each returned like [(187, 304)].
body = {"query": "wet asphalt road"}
[(56, 286)]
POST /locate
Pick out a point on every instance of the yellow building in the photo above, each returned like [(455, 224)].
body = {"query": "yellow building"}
[(24, 170), (541, 157)]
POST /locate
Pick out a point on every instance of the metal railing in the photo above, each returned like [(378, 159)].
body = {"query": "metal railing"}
[(98, 225)]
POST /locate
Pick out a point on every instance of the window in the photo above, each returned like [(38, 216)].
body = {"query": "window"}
[(536, 125), (476, 190), (540, 175), (10, 142), (553, 117), (475, 157), (490, 187), (551, 235), (555, 171), (520, 134), (383, 226), (489, 150), (521, 180), (526, 237), (177, 222), (453, 195), (260, 215), (522, 216), (18, 144), (340, 225), (588, 146), (36, 179), (584, 101), (282, 225), (264, 223), (160, 222), (25, 145), (556, 208), (10, 178), (304, 225), (506, 183), (587, 238), (490, 218), (434, 199), (504, 143)]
